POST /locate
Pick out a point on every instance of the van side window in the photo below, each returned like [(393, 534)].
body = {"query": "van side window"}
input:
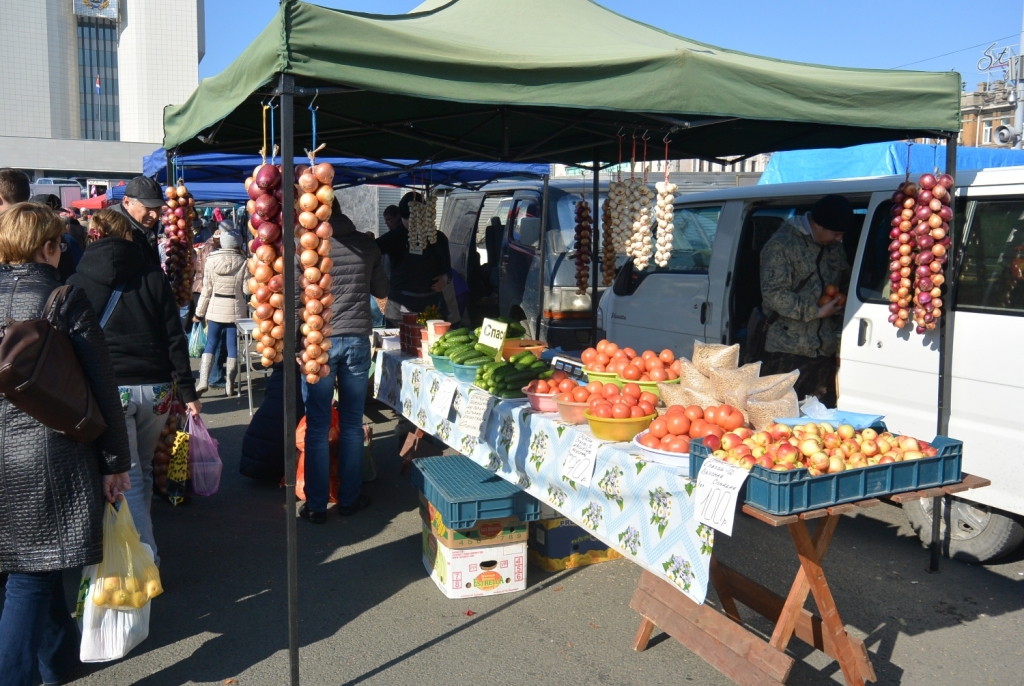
[(992, 274), (692, 240), (873, 282), (526, 222)]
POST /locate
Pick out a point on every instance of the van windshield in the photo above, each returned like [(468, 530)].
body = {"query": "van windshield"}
[(566, 215)]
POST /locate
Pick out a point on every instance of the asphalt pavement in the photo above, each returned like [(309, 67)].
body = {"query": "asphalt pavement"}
[(369, 614)]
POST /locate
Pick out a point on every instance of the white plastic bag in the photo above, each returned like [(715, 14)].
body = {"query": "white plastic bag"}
[(108, 634)]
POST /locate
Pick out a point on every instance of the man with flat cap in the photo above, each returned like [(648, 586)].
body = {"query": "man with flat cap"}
[(143, 199), (804, 256)]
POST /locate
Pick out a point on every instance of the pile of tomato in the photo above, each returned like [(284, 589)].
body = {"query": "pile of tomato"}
[(608, 401), (628, 365), (673, 431)]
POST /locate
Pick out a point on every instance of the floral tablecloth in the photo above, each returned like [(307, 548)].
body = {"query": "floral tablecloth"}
[(644, 511)]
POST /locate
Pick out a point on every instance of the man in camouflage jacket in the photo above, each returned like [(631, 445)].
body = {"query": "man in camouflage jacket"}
[(804, 256)]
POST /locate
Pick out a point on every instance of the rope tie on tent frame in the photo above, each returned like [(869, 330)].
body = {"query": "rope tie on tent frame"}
[(619, 166), (909, 145), (311, 154), (632, 160), (645, 138), (666, 157)]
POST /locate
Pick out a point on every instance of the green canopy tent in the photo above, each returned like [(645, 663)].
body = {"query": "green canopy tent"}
[(526, 81)]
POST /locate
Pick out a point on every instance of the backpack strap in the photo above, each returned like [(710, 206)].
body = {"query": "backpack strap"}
[(56, 301), (111, 305)]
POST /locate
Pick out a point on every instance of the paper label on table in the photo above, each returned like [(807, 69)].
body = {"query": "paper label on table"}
[(475, 413), (492, 334), (718, 485), (579, 461), (442, 401)]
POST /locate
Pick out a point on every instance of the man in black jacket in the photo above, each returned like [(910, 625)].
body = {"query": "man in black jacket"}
[(358, 273), (142, 202)]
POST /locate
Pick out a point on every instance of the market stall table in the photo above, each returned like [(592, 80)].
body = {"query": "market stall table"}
[(642, 510), (721, 639)]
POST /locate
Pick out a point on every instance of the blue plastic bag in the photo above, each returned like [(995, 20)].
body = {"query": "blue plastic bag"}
[(197, 341)]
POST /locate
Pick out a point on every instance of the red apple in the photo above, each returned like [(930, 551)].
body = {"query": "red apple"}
[(809, 446), (832, 440), (730, 441), (747, 462), (766, 462), (819, 461), (907, 443), (846, 431), (849, 447), (780, 431), (835, 465), (869, 448), (787, 453), (869, 434), (713, 442), (885, 459), (762, 438)]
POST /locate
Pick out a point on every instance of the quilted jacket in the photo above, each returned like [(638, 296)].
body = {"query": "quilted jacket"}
[(51, 490), (790, 256), (223, 300)]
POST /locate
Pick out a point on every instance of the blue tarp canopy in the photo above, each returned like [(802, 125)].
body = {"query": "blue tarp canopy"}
[(879, 159), (201, 191), (226, 168)]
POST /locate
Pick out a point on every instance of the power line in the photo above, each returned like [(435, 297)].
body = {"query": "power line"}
[(929, 59)]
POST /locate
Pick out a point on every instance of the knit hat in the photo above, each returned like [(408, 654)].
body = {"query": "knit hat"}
[(230, 240), (833, 212), (226, 225)]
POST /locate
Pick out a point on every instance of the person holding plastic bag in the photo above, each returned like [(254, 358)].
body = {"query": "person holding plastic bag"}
[(148, 349), (55, 487)]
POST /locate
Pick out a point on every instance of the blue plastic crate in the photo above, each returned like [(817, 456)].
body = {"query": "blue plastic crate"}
[(464, 492), (783, 493)]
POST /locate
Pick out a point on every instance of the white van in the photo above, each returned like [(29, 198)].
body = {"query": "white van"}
[(711, 285)]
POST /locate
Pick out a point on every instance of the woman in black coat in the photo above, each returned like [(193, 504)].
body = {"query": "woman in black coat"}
[(52, 489)]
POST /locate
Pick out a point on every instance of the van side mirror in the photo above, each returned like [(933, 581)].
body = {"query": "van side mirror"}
[(529, 230)]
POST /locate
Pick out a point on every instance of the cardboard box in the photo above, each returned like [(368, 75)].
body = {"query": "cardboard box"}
[(557, 544), (474, 572), (486, 532)]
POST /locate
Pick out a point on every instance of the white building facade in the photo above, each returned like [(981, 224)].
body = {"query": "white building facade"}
[(86, 81)]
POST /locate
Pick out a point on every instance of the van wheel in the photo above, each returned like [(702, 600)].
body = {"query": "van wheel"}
[(978, 534)]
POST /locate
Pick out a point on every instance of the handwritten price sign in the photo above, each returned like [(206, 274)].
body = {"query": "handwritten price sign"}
[(718, 485), (580, 460)]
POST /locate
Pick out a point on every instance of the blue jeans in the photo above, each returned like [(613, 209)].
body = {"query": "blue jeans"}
[(215, 331), (350, 364), (38, 637)]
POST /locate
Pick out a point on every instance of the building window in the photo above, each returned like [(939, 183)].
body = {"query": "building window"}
[(986, 133), (97, 79)]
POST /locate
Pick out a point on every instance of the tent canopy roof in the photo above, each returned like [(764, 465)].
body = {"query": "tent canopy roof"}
[(536, 80)]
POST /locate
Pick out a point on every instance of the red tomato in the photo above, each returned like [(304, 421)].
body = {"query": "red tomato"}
[(732, 422), (659, 428), (601, 345), (667, 356), (620, 411), (610, 348), (636, 411), (596, 367), (715, 430), (640, 363), (676, 409), (603, 410), (677, 367), (649, 397), (566, 385), (564, 398), (587, 356), (629, 400), (609, 390), (649, 353), (711, 414), (602, 359), (620, 355), (644, 377), (543, 387), (649, 441), (654, 363), (678, 424), (647, 408), (558, 375), (631, 372), (631, 389), (594, 386), (630, 353), (580, 395), (672, 375), (595, 400), (677, 445), (694, 412), (695, 428), (659, 375)]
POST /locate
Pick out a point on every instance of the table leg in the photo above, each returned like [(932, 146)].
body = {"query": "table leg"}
[(724, 591), (643, 635), (412, 441), (247, 338), (801, 587), (810, 563)]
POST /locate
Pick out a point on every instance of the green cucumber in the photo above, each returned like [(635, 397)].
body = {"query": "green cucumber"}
[(486, 350), (546, 375), (520, 376), (479, 360), (509, 395), (455, 334), (457, 340)]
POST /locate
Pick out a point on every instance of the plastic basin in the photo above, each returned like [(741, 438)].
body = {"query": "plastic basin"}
[(515, 346), (541, 402), (618, 429), (604, 377), (465, 372), (442, 364), (646, 386), (572, 413)]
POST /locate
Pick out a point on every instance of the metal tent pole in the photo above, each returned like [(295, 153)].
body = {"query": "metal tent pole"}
[(595, 244), (288, 240), (946, 346), (541, 255)]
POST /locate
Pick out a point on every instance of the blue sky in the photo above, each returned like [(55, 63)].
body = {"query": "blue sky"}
[(868, 35)]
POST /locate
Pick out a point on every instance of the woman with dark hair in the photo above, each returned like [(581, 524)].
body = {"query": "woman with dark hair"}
[(54, 488)]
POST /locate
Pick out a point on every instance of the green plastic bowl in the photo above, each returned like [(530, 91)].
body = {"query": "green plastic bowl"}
[(648, 386), (442, 364), (604, 377), (465, 372)]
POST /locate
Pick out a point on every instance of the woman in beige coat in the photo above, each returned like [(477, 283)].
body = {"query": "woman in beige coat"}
[(222, 303)]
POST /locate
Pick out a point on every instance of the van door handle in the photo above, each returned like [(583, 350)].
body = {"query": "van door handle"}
[(864, 333), (705, 308)]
